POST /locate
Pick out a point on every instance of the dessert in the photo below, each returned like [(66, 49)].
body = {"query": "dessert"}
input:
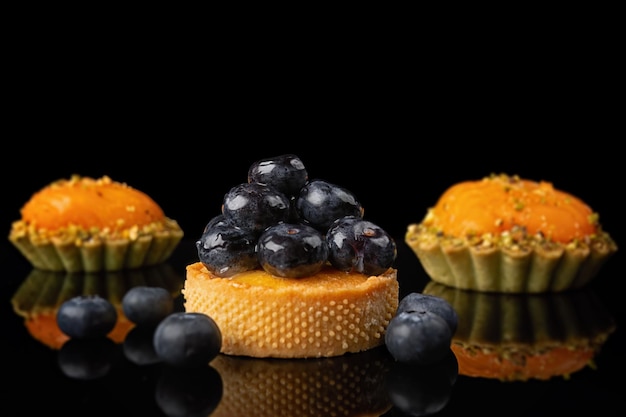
[(518, 337), (86, 224), (507, 234), (272, 280), (40, 295)]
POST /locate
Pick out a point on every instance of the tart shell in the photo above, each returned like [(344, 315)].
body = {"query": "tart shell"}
[(328, 314)]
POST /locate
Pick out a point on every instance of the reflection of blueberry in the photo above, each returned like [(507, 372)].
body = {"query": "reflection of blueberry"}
[(86, 316), (421, 337), (189, 392), (419, 390), (147, 306), (138, 346), (418, 302), (187, 339), (87, 359)]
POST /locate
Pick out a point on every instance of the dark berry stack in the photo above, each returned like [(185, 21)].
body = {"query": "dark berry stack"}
[(290, 226)]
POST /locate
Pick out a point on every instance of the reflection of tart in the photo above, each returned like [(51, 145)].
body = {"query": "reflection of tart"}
[(506, 234), (86, 224), (42, 293), (516, 337), (349, 385), (327, 314)]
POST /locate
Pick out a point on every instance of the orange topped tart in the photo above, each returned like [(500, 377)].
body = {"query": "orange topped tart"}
[(507, 234), (532, 336), (327, 314), (87, 224)]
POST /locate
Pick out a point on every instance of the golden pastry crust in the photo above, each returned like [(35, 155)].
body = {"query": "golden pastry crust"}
[(506, 234), (86, 224), (260, 315)]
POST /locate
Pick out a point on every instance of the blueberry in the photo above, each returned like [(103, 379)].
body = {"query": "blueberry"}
[(225, 249), (86, 316), (187, 339), (358, 245), (320, 203), (254, 207), (147, 306), (421, 337), (286, 173), (292, 250), (416, 302)]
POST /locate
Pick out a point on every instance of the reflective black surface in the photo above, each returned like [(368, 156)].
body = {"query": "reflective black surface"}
[(43, 373)]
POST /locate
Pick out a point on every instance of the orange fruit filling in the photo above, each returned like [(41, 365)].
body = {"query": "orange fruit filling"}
[(499, 203), (90, 203)]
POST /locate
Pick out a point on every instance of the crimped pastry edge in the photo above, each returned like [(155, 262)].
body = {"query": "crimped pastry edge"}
[(75, 250), (534, 267)]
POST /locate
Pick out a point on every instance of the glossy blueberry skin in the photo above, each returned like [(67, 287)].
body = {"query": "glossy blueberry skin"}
[(292, 250), (416, 302), (225, 249), (286, 173), (418, 337), (147, 306), (254, 207), (320, 203), (359, 245), (185, 339), (86, 316)]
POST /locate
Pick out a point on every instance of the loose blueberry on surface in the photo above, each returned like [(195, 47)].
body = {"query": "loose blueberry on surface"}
[(292, 250), (286, 173), (86, 316), (358, 245), (416, 302), (147, 306), (320, 203), (254, 207), (187, 339), (225, 249), (419, 337)]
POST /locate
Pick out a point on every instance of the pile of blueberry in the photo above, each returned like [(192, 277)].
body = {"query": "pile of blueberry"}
[(291, 226)]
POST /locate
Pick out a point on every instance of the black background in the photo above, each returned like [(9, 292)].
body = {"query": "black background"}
[(395, 127)]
